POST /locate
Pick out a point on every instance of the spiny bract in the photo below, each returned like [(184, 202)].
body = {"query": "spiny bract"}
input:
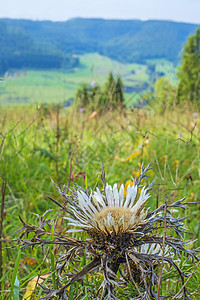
[(122, 234)]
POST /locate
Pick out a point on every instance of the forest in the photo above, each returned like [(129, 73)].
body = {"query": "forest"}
[(52, 45)]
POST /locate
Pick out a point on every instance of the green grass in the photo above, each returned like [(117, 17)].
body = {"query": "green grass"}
[(32, 153), (36, 87)]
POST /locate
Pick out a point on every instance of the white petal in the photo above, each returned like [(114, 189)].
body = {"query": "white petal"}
[(77, 222), (81, 215), (110, 220), (82, 225), (141, 201), (121, 223), (121, 195), (116, 195), (133, 195), (109, 195), (152, 248), (99, 197), (85, 204), (144, 248), (88, 204), (158, 249), (96, 203), (80, 198), (128, 196)]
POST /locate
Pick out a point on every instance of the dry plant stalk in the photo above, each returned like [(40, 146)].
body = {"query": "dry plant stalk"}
[(121, 235)]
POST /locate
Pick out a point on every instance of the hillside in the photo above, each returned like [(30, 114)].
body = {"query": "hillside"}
[(55, 86), (51, 45)]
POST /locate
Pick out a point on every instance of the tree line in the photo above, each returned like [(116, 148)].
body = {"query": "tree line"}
[(46, 44), (93, 97), (164, 95), (19, 50)]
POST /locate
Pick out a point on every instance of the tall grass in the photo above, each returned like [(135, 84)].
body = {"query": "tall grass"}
[(49, 142)]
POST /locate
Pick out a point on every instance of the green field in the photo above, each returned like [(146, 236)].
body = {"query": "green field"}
[(46, 143), (40, 143), (33, 87)]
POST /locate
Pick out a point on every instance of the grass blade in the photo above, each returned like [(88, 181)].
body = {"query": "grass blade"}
[(16, 289), (14, 276)]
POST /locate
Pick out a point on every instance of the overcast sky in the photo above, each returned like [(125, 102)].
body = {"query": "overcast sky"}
[(61, 10)]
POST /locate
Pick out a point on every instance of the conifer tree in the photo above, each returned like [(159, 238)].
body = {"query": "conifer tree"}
[(110, 86), (119, 92), (111, 96), (189, 71), (114, 91), (82, 97)]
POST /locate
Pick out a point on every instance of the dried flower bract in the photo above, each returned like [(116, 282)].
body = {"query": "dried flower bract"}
[(122, 235)]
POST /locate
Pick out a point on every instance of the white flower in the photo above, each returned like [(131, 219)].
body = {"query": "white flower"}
[(122, 235), (111, 212)]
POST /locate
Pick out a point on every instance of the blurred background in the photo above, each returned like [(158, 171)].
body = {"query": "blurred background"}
[(49, 48)]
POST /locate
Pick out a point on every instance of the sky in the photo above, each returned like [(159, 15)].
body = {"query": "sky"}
[(61, 10)]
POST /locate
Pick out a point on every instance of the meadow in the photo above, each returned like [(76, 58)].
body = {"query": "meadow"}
[(35, 87), (45, 142)]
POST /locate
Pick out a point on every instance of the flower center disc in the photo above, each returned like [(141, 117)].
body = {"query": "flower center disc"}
[(120, 215)]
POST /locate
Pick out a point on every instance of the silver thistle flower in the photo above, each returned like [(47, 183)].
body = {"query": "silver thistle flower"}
[(110, 213), (122, 235)]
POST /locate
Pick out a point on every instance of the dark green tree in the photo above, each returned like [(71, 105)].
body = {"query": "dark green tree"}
[(113, 91), (110, 83), (86, 97), (81, 99), (111, 96), (119, 92), (189, 71)]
